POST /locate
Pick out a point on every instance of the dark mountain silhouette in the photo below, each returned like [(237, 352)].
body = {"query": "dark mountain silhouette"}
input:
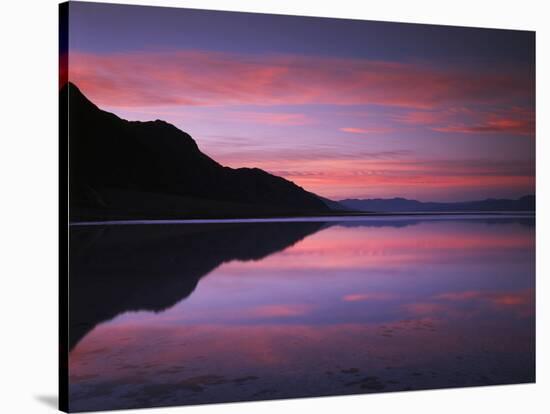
[(526, 203), (115, 269), (334, 205), (123, 169)]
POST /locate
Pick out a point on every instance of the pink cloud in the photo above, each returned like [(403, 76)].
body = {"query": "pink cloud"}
[(333, 177), (493, 124), (191, 77), (514, 120), (359, 297), (271, 118), (421, 117), (366, 130)]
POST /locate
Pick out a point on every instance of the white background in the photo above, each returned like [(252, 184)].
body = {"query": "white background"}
[(28, 204)]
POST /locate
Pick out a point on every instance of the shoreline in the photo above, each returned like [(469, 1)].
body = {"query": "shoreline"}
[(436, 215)]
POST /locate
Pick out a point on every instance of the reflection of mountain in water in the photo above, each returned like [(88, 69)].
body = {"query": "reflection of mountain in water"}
[(115, 269), (527, 221)]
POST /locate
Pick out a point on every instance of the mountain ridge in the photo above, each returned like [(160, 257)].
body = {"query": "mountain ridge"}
[(399, 204), (152, 169)]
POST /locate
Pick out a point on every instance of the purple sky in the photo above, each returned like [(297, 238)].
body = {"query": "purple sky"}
[(344, 108)]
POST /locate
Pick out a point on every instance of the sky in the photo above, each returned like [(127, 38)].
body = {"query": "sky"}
[(343, 108)]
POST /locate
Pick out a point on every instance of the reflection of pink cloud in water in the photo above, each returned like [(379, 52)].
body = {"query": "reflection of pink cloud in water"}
[(520, 302), (275, 311), (419, 236), (424, 308), (425, 332), (394, 247), (514, 299), (118, 352), (459, 295), (417, 307), (516, 303)]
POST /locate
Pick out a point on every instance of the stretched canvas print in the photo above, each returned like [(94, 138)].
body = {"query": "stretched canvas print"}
[(261, 206)]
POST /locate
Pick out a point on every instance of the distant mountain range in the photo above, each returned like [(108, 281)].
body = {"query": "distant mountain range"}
[(526, 203), (123, 169)]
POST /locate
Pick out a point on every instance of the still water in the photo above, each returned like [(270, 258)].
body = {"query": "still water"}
[(177, 314)]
